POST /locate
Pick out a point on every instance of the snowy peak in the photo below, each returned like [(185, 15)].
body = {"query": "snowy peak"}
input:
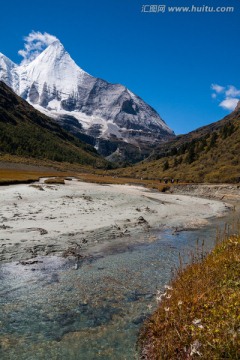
[(5, 60), (54, 56), (55, 47), (53, 67), (58, 87)]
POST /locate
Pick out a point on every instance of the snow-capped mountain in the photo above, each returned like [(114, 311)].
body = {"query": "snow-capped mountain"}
[(54, 84)]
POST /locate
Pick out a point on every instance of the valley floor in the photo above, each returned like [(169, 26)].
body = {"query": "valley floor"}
[(83, 219)]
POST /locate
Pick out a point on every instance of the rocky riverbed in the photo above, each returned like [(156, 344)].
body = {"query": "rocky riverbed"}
[(80, 219), (82, 264)]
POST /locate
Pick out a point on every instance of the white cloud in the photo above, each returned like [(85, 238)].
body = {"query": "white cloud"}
[(232, 91), (227, 96), (218, 88), (229, 104), (35, 43)]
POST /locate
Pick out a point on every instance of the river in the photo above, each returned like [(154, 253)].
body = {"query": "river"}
[(51, 310)]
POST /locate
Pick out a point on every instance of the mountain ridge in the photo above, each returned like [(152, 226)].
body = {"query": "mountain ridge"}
[(54, 84)]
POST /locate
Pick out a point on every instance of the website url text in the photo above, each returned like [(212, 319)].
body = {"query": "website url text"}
[(186, 9)]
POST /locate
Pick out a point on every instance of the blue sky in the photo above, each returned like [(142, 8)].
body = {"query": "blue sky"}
[(169, 59)]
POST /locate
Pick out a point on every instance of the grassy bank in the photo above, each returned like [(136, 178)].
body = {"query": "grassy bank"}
[(199, 314), (118, 180), (17, 172), (16, 176)]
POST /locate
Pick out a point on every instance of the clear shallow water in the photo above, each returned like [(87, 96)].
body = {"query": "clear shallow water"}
[(50, 310)]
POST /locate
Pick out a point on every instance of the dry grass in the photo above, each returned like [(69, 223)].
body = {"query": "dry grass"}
[(15, 176), (199, 317), (108, 179), (22, 175), (10, 176), (55, 180)]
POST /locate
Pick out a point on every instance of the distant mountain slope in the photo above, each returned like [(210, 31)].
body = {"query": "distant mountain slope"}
[(25, 131), (57, 86), (208, 154)]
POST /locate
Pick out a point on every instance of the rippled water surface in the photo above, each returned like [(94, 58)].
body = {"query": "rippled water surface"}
[(51, 310)]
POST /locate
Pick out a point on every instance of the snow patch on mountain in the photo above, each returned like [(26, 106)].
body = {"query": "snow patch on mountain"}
[(8, 71)]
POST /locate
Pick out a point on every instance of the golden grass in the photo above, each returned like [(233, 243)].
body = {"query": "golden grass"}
[(14, 176), (108, 179), (199, 317), (55, 180)]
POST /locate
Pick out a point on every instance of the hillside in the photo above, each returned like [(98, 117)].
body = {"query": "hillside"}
[(208, 154), (26, 132)]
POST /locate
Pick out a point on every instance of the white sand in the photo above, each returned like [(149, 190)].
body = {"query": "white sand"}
[(39, 222)]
